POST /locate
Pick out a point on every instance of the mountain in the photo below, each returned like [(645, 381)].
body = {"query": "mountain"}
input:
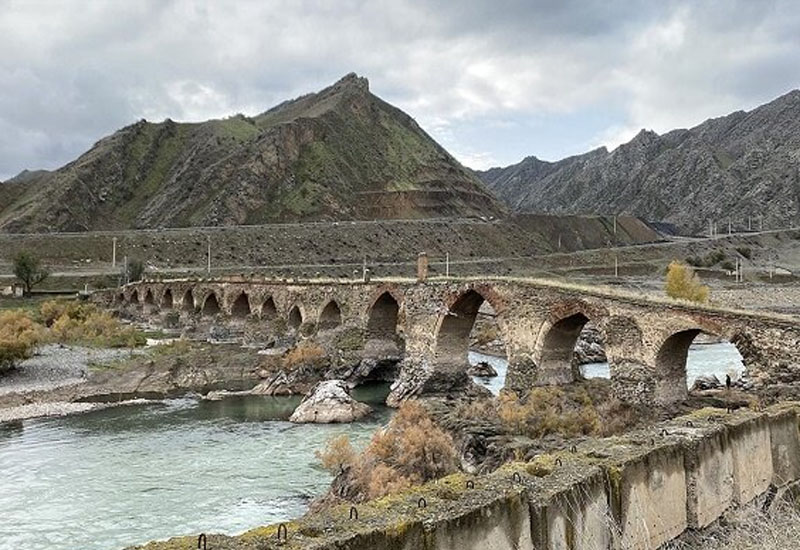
[(341, 153), (746, 164)]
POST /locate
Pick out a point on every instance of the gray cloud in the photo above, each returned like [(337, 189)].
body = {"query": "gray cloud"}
[(72, 71)]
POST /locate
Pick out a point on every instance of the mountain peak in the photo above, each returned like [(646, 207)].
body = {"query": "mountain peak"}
[(352, 81)]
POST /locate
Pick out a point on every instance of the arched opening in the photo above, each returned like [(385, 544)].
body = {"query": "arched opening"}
[(166, 300), (135, 296), (331, 316), (671, 367), (268, 309), (382, 321), (188, 301), (211, 305), (487, 350), (241, 306), (590, 353), (148, 298), (295, 318), (452, 339), (693, 358), (120, 298), (556, 365)]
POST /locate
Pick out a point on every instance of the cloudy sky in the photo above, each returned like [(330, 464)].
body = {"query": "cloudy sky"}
[(493, 81)]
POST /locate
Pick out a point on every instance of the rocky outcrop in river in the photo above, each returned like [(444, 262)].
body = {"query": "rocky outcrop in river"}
[(329, 402)]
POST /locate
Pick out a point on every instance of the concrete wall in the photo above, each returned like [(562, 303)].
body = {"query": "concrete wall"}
[(638, 491)]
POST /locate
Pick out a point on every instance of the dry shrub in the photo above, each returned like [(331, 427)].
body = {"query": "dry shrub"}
[(683, 283), (52, 310), (18, 336), (88, 325), (304, 353), (548, 410), (411, 450), (749, 528), (337, 455)]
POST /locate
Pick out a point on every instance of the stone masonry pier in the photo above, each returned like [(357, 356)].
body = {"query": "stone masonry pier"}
[(646, 340), (638, 492)]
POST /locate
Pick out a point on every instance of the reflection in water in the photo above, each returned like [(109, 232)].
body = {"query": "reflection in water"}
[(121, 476), (718, 359)]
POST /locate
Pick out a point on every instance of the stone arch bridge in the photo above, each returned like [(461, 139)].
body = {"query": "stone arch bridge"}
[(646, 340)]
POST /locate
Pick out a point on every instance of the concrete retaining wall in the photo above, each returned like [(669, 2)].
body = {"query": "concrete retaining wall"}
[(633, 492)]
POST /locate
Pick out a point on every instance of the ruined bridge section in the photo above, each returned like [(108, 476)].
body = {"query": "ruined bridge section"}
[(646, 340)]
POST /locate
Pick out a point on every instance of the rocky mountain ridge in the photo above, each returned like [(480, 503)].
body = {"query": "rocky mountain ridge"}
[(341, 153), (743, 165)]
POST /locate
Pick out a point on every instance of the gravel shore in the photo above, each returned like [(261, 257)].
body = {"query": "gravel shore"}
[(55, 366)]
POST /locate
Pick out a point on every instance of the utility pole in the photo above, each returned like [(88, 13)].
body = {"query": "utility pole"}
[(208, 256), (616, 266), (749, 223), (114, 253), (126, 270), (364, 269), (559, 241), (730, 232), (447, 265)]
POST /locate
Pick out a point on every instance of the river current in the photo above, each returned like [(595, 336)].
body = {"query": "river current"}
[(111, 478)]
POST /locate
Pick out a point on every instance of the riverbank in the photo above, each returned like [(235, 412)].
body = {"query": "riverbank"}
[(62, 380)]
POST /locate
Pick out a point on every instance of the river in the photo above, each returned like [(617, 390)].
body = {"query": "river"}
[(111, 478)]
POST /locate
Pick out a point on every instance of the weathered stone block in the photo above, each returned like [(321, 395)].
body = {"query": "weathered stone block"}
[(710, 476), (785, 442), (752, 456)]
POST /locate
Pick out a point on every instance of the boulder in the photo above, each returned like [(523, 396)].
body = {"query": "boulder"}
[(482, 369), (329, 401), (708, 382)]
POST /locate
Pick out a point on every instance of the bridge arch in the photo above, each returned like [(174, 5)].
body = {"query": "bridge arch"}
[(295, 317), (268, 309), (455, 325), (210, 305), (187, 303), (383, 317), (240, 308), (167, 301), (135, 297), (557, 340), (149, 300), (331, 316), (671, 365)]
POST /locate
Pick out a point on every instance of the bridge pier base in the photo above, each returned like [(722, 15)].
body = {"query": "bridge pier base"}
[(633, 381), (521, 375), (419, 378)]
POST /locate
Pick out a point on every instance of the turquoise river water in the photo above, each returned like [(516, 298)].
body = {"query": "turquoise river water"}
[(111, 478)]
